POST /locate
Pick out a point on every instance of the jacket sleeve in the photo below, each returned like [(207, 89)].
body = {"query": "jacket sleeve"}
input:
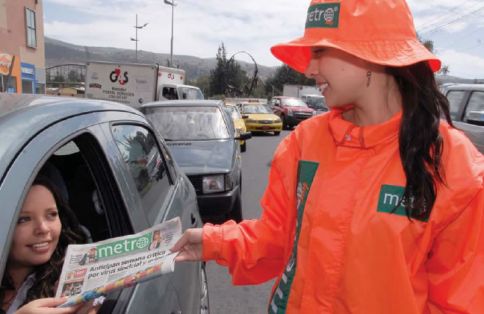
[(256, 250), (456, 263)]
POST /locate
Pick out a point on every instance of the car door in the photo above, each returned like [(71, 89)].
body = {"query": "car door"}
[(113, 220), (161, 192)]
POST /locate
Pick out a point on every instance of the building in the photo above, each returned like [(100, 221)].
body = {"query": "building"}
[(22, 51)]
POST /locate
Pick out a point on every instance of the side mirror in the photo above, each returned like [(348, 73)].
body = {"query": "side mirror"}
[(244, 136), (475, 117), (244, 116)]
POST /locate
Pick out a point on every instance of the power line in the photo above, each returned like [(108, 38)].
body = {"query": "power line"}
[(433, 30), (444, 17)]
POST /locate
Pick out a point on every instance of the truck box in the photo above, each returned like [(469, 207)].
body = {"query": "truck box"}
[(132, 84), (136, 84), (298, 91)]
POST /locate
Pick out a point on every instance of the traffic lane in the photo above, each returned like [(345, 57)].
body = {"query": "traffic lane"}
[(224, 296)]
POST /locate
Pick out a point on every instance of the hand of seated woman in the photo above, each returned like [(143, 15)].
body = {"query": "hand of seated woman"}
[(47, 306)]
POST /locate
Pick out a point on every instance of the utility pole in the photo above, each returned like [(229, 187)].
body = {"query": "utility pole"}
[(173, 4), (136, 35)]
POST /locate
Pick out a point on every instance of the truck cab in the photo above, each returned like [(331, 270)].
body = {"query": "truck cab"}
[(179, 91)]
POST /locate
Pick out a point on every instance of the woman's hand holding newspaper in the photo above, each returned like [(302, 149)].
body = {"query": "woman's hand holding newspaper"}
[(189, 246)]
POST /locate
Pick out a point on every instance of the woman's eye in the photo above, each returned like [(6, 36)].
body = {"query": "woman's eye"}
[(22, 220), (316, 53), (53, 215)]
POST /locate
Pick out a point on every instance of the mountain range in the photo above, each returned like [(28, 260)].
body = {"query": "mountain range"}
[(58, 53)]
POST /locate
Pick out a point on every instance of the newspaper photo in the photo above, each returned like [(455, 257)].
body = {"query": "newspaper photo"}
[(95, 269)]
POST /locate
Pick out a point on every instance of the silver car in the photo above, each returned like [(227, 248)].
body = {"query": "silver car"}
[(118, 177)]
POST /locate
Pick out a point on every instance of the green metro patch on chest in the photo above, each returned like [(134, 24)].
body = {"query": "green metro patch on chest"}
[(389, 200)]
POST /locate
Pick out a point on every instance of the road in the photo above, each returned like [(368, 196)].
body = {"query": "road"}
[(225, 297)]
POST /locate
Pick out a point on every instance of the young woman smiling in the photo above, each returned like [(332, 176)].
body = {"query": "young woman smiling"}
[(44, 228)]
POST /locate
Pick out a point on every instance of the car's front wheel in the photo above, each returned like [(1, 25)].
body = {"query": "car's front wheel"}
[(204, 300), (243, 147), (276, 133)]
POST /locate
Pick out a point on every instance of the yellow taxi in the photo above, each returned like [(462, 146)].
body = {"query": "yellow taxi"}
[(258, 118), (239, 124)]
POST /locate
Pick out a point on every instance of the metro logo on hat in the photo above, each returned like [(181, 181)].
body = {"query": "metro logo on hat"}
[(323, 15), (378, 31)]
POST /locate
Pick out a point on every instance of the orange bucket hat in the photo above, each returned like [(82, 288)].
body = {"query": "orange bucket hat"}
[(378, 31)]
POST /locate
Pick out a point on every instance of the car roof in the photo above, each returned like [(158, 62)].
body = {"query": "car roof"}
[(183, 103), (24, 116), (479, 87)]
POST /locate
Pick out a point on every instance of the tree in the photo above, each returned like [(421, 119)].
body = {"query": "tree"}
[(444, 70), (227, 78), (73, 76), (285, 75)]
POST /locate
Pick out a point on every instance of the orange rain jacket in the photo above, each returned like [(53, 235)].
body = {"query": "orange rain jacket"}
[(339, 184)]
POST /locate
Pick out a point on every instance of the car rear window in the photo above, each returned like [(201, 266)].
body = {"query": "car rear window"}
[(293, 102), (188, 123)]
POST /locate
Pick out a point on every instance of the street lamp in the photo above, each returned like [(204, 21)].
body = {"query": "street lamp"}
[(136, 35), (254, 80), (173, 4)]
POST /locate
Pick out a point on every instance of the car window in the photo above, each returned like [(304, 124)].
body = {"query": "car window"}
[(455, 99), (169, 93), (188, 123), (476, 103), (293, 102), (255, 109), (81, 173), (233, 112), (187, 92), (142, 155)]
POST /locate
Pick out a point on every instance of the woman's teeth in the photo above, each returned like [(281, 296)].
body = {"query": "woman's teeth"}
[(323, 86), (40, 245)]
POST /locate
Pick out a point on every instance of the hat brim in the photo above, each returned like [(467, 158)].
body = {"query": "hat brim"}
[(395, 53)]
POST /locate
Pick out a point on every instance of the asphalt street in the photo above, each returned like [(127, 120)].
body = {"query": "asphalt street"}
[(224, 296)]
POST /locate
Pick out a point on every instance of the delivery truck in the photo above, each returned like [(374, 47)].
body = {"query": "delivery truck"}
[(136, 84)]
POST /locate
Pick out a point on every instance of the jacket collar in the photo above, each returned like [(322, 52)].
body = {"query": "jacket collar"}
[(348, 134)]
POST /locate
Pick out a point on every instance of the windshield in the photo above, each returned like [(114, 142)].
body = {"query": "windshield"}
[(233, 112), (293, 102), (188, 123), (187, 92), (254, 109), (315, 102)]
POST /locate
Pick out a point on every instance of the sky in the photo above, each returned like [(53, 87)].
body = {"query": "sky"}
[(200, 26)]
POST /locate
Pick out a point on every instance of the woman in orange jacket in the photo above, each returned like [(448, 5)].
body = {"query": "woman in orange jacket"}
[(376, 206)]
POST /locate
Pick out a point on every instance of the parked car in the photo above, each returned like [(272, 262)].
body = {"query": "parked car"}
[(119, 179), (467, 110), (239, 123), (202, 139), (258, 118), (291, 110)]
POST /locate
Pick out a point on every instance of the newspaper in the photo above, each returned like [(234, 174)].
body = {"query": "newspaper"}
[(95, 269)]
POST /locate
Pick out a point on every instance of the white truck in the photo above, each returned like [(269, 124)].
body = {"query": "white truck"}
[(311, 95), (136, 84)]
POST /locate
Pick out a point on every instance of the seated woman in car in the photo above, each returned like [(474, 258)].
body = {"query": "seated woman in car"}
[(45, 227)]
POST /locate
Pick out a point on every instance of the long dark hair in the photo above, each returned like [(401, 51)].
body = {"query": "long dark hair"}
[(47, 275), (420, 141)]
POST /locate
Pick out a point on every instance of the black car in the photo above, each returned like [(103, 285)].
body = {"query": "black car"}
[(118, 179), (202, 139)]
